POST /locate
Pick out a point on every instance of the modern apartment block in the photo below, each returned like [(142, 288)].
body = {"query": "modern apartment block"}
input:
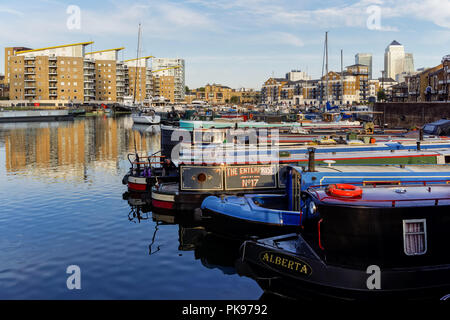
[(139, 79), (169, 78), (361, 74), (67, 74), (9, 52), (109, 74), (53, 73)]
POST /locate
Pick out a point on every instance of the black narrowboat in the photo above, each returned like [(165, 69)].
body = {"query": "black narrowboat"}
[(370, 242)]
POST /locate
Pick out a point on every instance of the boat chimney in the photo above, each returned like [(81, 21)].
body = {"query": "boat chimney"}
[(311, 159), (421, 134), (418, 145)]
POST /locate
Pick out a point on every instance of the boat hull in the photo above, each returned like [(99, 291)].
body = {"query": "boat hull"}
[(297, 275), (148, 120)]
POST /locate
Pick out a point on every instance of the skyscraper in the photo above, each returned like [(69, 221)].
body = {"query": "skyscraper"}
[(396, 61), (409, 63), (365, 59)]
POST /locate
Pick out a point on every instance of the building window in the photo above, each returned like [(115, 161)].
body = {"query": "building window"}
[(415, 236)]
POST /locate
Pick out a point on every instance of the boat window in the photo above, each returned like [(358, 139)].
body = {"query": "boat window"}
[(415, 237), (429, 128)]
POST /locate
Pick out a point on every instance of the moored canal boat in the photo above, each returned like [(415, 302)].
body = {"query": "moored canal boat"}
[(198, 182), (268, 214), (146, 171), (386, 242)]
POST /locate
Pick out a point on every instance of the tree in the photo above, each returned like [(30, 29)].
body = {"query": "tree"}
[(234, 100), (186, 90), (381, 95)]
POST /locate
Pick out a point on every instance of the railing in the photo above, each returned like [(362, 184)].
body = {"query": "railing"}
[(138, 165)]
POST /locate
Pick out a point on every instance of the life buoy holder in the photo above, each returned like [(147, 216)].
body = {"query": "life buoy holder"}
[(344, 190)]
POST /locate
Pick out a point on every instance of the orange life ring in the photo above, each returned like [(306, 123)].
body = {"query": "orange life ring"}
[(344, 190)]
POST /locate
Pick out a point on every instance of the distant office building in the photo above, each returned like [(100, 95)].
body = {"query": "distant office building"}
[(297, 75), (409, 63), (396, 61), (365, 59), (169, 78)]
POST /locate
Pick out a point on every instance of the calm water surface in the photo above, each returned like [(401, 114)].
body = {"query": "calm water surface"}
[(61, 205)]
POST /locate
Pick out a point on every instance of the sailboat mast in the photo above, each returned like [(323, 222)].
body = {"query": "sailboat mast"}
[(137, 62), (342, 79), (326, 63)]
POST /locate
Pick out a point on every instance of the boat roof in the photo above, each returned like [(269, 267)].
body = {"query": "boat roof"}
[(208, 157), (379, 168), (439, 122), (390, 196)]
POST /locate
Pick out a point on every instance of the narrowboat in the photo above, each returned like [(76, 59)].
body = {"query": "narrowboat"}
[(196, 182), (438, 128), (269, 214), (172, 135), (197, 154), (146, 171), (376, 242)]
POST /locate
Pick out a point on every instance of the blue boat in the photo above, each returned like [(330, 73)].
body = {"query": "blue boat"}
[(269, 214)]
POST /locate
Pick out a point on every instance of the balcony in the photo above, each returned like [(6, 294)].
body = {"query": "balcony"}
[(52, 72), (29, 79), (29, 72), (53, 94), (29, 86), (30, 94)]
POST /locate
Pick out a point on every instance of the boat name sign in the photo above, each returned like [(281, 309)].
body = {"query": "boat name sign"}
[(285, 263)]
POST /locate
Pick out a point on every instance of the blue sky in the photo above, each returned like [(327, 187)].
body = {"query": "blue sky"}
[(239, 43)]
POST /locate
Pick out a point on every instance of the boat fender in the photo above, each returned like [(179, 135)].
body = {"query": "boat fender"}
[(344, 190)]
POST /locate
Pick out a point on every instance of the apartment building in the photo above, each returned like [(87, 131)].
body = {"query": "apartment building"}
[(52, 73), (348, 87), (138, 79), (4, 88), (361, 74), (109, 83), (365, 59), (169, 78), (9, 52), (417, 84)]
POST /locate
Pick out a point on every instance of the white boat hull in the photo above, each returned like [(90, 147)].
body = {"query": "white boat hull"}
[(149, 120)]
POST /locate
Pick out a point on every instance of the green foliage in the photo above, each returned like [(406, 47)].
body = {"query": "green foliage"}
[(234, 99), (381, 95)]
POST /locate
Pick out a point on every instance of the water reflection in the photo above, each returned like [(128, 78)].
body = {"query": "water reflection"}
[(67, 149), (212, 250)]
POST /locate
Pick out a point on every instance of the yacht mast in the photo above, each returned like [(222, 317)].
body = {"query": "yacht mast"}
[(326, 63), (342, 79), (137, 62)]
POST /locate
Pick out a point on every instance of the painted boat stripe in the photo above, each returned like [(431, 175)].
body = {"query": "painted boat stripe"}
[(163, 197)]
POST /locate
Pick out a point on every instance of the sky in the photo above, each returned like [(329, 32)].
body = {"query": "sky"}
[(237, 43)]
